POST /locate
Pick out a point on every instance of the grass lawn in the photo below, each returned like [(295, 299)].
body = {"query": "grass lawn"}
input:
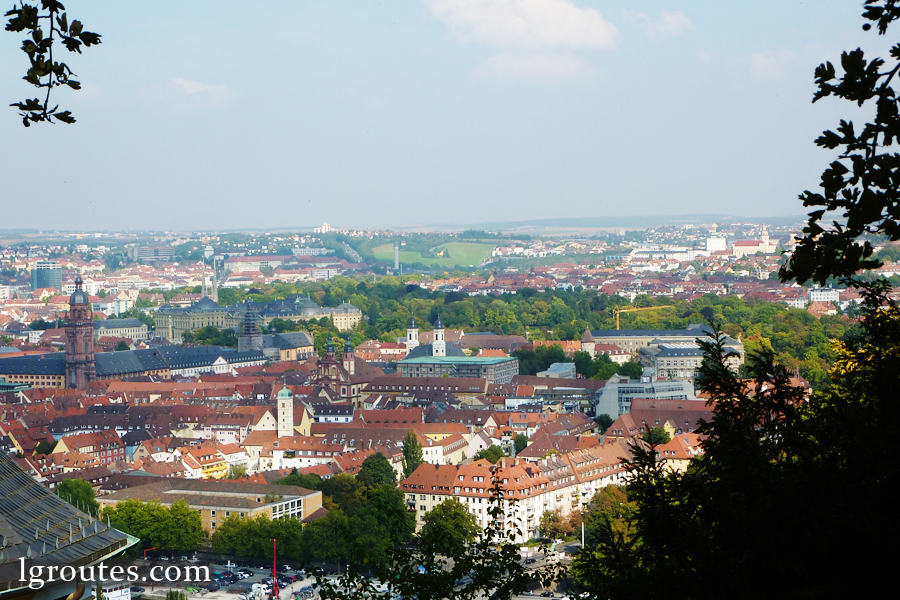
[(461, 253)]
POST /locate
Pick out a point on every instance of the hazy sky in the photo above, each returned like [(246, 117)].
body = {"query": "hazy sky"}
[(219, 114)]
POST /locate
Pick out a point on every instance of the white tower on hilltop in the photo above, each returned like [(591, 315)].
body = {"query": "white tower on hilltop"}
[(285, 401), (439, 347), (412, 335)]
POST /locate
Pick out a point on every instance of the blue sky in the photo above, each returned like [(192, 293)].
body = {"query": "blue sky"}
[(213, 115)]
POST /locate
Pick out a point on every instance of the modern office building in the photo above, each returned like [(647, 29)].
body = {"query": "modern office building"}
[(46, 274)]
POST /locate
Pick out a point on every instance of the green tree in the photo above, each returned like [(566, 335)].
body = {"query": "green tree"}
[(344, 490), (123, 345), (553, 525), (376, 470), (604, 422), (412, 453), (176, 529), (584, 364), (182, 529), (492, 453), (326, 538), (656, 436), (859, 184), (603, 367), (44, 447), (236, 471), (632, 370), (79, 493), (520, 442), (379, 525), (449, 527)]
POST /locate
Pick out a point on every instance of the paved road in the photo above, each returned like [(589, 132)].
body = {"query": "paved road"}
[(352, 253)]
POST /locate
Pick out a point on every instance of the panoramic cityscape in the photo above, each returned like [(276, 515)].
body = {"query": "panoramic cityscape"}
[(475, 316)]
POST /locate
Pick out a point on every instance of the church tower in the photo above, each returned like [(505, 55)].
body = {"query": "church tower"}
[(80, 368), (439, 347), (285, 401), (250, 336), (412, 335), (349, 359)]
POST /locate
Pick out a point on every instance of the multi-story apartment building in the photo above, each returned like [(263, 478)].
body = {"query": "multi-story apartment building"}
[(564, 482)]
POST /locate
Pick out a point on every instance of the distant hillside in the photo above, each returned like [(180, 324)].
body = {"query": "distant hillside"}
[(630, 222)]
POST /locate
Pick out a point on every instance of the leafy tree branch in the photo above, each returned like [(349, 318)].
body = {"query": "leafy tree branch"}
[(45, 23)]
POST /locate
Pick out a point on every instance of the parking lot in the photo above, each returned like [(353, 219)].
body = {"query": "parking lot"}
[(228, 581), (240, 581)]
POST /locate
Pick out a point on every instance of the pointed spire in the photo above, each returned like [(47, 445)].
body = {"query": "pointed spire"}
[(48, 525), (37, 533), (57, 542)]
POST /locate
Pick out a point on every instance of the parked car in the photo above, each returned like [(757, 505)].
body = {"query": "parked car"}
[(135, 589), (548, 594)]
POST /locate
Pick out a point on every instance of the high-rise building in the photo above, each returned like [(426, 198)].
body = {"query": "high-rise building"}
[(716, 243), (46, 274)]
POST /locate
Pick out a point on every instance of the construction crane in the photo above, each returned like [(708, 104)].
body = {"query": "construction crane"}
[(617, 311)]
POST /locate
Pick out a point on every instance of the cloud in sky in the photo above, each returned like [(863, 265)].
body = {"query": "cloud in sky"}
[(526, 23), (769, 65), (188, 94), (536, 67), (667, 26)]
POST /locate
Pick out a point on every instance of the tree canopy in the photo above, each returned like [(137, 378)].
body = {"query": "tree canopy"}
[(492, 453), (449, 527), (377, 470), (79, 493), (412, 453), (175, 529)]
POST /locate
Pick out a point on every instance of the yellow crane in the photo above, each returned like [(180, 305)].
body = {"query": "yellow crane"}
[(617, 311)]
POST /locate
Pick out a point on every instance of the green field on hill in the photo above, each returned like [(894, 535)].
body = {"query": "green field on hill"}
[(460, 253)]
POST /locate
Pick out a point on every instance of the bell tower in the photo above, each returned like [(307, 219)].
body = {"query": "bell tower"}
[(80, 368), (412, 335), (439, 346)]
